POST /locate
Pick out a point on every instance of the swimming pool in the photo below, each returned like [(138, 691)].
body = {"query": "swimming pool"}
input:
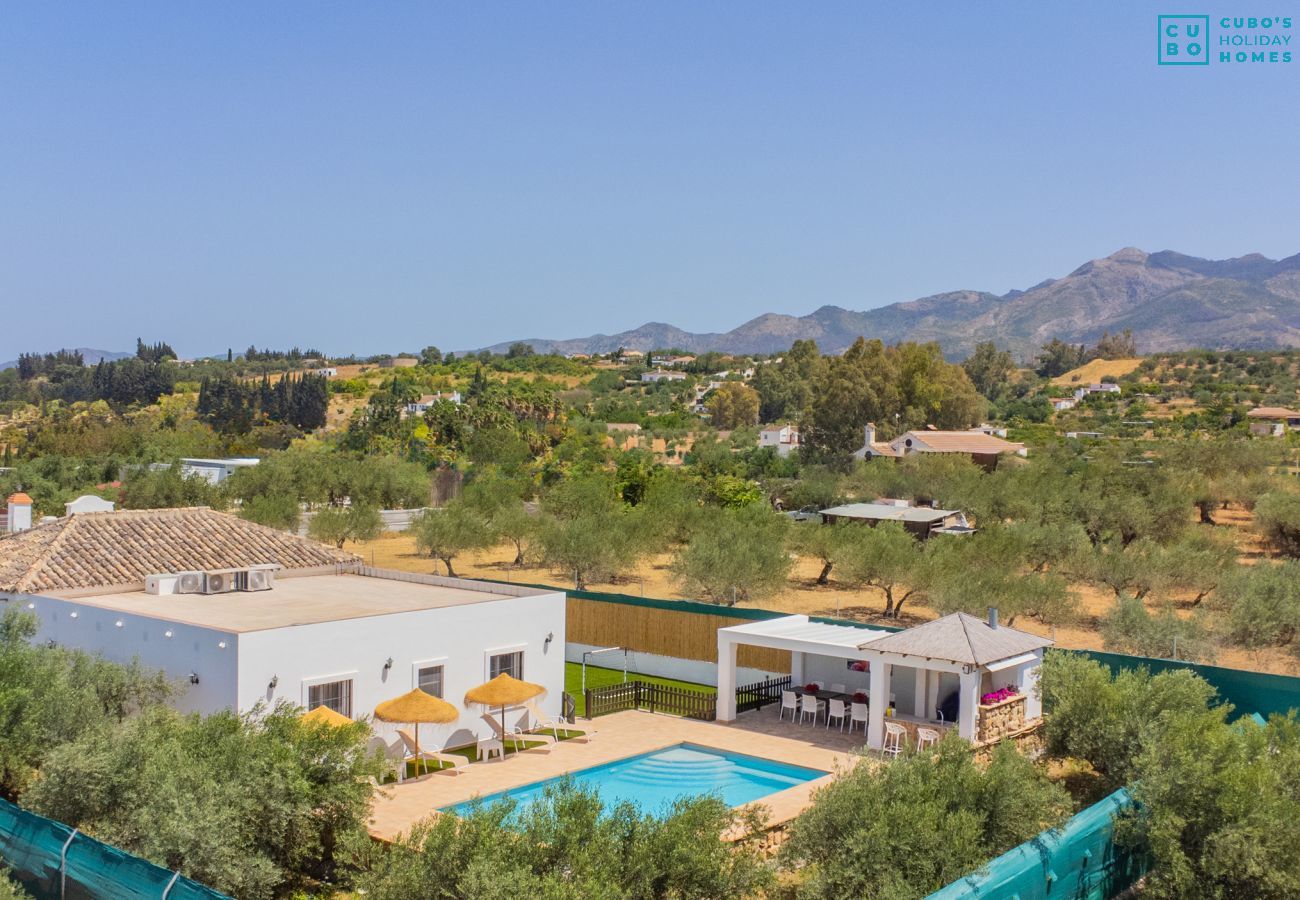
[(652, 780)]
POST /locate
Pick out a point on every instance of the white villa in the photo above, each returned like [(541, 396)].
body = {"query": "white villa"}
[(785, 438), (910, 677), (214, 471), (241, 614)]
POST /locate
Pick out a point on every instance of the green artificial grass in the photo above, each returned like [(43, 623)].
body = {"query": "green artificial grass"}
[(471, 752), (599, 677)]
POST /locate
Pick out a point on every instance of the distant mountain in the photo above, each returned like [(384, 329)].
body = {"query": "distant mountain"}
[(90, 355), (1170, 301)]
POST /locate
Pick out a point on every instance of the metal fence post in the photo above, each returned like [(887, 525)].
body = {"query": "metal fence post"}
[(63, 864)]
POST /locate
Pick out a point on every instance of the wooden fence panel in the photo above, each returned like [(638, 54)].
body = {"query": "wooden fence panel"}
[(664, 632)]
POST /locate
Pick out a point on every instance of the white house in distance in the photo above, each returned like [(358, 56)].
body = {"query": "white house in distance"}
[(241, 614), (421, 406), (937, 675), (215, 471), (785, 438), (662, 375), (1105, 387)]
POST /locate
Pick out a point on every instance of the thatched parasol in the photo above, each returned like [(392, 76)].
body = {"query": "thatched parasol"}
[(323, 715), (502, 691), (415, 707)]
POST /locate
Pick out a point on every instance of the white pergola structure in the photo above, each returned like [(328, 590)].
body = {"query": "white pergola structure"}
[(922, 666)]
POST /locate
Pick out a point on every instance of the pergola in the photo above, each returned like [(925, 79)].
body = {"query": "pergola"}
[(921, 667)]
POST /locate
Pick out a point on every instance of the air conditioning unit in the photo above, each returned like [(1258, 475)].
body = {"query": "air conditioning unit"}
[(220, 582), (258, 578), (160, 585), (189, 582)]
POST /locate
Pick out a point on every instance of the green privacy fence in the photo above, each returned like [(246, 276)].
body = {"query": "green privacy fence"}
[(54, 862), (1079, 861), (1249, 692)]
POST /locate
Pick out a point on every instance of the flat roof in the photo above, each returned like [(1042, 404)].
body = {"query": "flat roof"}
[(799, 632), (890, 513), (304, 600)]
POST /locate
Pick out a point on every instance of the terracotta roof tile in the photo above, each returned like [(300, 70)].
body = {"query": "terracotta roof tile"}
[(962, 442), (109, 549)]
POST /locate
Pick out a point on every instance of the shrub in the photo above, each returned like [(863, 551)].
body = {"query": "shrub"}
[(910, 827), (568, 844), (1277, 515)]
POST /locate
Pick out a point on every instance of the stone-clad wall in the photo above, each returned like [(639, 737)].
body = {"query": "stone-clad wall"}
[(1000, 719)]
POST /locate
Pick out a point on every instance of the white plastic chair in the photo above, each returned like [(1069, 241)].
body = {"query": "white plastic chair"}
[(858, 713), (895, 737), (490, 746), (926, 737), (790, 701), (810, 706), (839, 688), (836, 710)]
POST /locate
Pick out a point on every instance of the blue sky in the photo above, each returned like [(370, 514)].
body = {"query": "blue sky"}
[(372, 177)]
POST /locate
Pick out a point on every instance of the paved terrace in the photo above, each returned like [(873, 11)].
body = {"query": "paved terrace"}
[(624, 734)]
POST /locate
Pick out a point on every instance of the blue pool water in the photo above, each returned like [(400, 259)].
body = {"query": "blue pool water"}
[(652, 780)]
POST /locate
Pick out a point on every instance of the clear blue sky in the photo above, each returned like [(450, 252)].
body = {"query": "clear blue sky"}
[(369, 177)]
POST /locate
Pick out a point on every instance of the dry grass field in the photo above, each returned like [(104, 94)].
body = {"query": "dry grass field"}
[(654, 578), (1093, 372)]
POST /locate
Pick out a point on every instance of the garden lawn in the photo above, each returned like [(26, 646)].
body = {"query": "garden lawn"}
[(598, 677)]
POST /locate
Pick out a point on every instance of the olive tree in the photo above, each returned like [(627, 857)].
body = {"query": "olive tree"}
[(447, 532), (736, 554)]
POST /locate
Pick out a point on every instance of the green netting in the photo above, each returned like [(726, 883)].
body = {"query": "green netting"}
[(1080, 861), (1249, 692), (33, 848)]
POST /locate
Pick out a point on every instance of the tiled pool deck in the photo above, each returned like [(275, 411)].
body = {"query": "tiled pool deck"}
[(625, 734)]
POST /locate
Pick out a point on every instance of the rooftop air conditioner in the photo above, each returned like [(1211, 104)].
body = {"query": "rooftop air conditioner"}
[(189, 582), (258, 578), (159, 585), (221, 582)]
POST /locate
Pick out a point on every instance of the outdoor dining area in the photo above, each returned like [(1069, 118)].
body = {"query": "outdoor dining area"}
[(900, 689), (532, 731)]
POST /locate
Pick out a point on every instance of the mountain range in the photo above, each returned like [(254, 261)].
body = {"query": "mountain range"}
[(1169, 301), (89, 355)]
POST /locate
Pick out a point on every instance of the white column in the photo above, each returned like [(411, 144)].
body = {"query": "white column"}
[(1029, 687), (918, 692), (932, 697), (796, 667), (969, 695), (726, 677), (879, 703)]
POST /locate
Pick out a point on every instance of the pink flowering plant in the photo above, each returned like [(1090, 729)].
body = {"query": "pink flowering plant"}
[(1004, 693)]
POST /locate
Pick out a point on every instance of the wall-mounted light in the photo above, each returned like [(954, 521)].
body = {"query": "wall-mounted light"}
[(73, 614), (31, 605), (194, 678), (167, 633), (550, 636), (221, 645), (275, 680), (119, 623), (388, 664)]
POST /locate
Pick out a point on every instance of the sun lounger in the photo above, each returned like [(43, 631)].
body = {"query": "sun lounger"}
[(545, 722), (459, 764)]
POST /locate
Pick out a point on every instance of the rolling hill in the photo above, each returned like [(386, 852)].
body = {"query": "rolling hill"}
[(1169, 300)]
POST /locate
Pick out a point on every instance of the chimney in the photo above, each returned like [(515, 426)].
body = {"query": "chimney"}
[(993, 617), (20, 512), (869, 432)]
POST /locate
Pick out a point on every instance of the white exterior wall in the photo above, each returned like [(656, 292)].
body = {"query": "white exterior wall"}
[(190, 648), (460, 638), (695, 670)]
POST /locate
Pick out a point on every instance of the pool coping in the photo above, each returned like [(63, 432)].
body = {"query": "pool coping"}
[(618, 736)]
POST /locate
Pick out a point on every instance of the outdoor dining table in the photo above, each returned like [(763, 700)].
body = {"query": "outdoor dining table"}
[(826, 695)]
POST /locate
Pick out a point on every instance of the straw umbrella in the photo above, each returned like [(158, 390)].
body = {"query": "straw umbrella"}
[(415, 707), (323, 715), (502, 691)]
